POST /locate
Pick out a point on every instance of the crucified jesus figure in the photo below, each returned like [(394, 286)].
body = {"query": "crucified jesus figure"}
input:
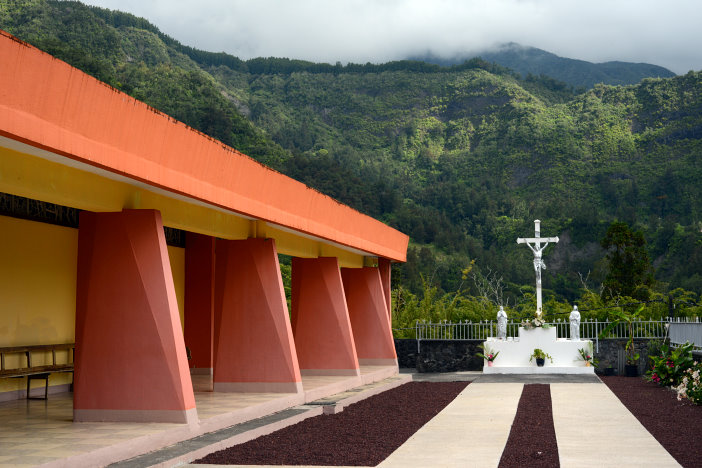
[(537, 244), (538, 261)]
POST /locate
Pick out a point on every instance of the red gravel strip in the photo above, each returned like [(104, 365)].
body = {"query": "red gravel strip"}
[(532, 440), (675, 424), (364, 434)]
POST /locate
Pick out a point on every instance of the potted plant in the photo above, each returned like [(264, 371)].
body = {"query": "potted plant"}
[(540, 355), (622, 317), (488, 354), (586, 355)]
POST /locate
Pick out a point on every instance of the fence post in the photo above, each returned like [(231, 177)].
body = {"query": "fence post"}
[(597, 336)]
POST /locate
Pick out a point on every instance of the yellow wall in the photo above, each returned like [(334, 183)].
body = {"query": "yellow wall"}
[(177, 258), (37, 282), (37, 290)]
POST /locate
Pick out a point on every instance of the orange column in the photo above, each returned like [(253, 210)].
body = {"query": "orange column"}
[(199, 301), (369, 318), (384, 267), (320, 319), (130, 356), (254, 346)]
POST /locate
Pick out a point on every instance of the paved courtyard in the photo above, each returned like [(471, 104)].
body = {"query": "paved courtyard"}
[(593, 428)]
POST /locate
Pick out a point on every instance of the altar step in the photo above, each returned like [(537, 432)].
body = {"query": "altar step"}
[(538, 370), (516, 355)]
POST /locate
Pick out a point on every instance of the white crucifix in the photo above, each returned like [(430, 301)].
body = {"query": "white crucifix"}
[(537, 244)]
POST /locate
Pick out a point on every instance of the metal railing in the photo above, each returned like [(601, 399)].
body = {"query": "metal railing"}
[(681, 330), (589, 329), (688, 331)]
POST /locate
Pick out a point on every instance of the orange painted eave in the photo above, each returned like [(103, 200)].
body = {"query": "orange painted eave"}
[(48, 104)]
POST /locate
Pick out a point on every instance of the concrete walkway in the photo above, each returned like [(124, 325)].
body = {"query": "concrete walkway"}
[(471, 431), (593, 427)]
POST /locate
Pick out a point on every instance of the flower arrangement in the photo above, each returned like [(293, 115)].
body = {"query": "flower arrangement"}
[(488, 354), (586, 355), (540, 354), (536, 322)]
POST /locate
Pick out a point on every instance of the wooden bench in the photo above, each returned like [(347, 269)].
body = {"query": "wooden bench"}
[(40, 371)]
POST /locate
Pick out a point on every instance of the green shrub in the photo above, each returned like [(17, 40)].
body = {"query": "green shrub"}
[(669, 367)]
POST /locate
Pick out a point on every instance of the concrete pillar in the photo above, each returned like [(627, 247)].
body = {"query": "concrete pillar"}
[(130, 362), (369, 318), (254, 346), (320, 319), (199, 301), (385, 269)]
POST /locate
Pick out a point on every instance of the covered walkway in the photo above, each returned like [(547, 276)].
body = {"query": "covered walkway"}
[(157, 251)]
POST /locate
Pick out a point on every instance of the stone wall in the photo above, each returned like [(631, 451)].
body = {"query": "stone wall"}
[(439, 356), (453, 356), (612, 354), (406, 350)]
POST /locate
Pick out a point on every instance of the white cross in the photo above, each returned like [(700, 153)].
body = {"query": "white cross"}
[(534, 243)]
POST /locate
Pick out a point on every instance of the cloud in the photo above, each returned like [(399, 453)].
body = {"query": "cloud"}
[(362, 31)]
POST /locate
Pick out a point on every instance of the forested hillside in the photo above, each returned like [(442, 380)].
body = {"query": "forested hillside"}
[(462, 159)]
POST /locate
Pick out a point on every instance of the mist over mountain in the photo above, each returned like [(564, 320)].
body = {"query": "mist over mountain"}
[(577, 73)]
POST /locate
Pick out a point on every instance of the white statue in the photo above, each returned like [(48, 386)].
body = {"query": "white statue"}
[(501, 324), (575, 324)]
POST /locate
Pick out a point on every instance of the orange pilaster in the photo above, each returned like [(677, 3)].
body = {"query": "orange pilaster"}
[(385, 269), (130, 360), (369, 318), (320, 319), (254, 346), (199, 301)]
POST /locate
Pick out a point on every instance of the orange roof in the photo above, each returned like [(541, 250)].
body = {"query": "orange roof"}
[(48, 104)]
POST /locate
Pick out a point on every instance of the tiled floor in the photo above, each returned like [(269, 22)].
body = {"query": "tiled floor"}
[(35, 432)]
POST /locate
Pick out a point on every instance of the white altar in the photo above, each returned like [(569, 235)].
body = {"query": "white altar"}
[(515, 353)]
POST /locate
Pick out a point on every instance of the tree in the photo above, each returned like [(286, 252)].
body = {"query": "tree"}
[(630, 272)]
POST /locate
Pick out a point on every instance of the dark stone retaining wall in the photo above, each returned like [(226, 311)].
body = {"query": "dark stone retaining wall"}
[(406, 350), (611, 354), (453, 356), (439, 356), (449, 356)]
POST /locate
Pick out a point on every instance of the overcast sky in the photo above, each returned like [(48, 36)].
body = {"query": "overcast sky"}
[(653, 31)]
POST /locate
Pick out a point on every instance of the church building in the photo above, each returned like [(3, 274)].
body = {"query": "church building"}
[(152, 251)]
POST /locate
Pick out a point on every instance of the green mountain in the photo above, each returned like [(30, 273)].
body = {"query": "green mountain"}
[(463, 158), (576, 73)]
